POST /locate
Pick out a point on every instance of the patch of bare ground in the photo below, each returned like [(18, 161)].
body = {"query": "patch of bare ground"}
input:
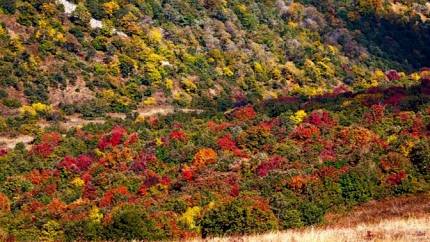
[(164, 110), (400, 219), (11, 142)]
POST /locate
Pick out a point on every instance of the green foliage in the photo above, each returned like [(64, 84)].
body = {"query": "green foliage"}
[(357, 187), (235, 218), (420, 157), (132, 222), (286, 206)]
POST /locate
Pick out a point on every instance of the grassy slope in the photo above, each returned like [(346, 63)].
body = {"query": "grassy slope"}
[(393, 219)]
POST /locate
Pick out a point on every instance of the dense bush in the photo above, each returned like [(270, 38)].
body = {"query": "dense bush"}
[(237, 217), (420, 157), (132, 222), (357, 187)]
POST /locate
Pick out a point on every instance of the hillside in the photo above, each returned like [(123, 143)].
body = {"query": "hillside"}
[(184, 119), (399, 219)]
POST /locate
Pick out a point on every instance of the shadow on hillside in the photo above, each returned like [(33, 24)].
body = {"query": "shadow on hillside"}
[(397, 97), (404, 43)]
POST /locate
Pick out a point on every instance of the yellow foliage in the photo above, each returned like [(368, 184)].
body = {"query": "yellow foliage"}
[(108, 95), (95, 215), (298, 117), (415, 76), (258, 67), (140, 119), (27, 110), (158, 141), (391, 139), (110, 7), (150, 101), (190, 86), (292, 69), (155, 35), (78, 182), (189, 216), (379, 75), (406, 148), (227, 71), (35, 109), (169, 84)]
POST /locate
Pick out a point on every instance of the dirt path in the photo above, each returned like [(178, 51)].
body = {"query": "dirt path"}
[(165, 110), (11, 142)]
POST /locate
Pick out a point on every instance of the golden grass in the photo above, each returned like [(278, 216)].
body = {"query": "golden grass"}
[(392, 230), (405, 219)]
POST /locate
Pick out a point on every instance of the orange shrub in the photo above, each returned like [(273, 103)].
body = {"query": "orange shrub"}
[(4, 203), (204, 156)]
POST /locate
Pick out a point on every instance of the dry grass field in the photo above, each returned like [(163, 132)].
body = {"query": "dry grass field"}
[(396, 219)]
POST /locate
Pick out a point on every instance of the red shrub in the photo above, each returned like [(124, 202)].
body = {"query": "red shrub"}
[(52, 138), (79, 164), (4, 203), (264, 168), (227, 143), (114, 195), (187, 173), (132, 138), (396, 178), (305, 132), (376, 114), (113, 139), (245, 113), (321, 119), (214, 127), (178, 135), (43, 150), (235, 190), (3, 152), (392, 75), (141, 161)]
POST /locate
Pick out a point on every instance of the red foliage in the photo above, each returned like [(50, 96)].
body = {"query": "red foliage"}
[(52, 138), (50, 189), (235, 190), (4, 203), (113, 139), (396, 178), (187, 173), (56, 207), (245, 113), (178, 135), (90, 191), (376, 114), (43, 149), (165, 181), (38, 177), (132, 138), (392, 75), (3, 152), (264, 168), (151, 179), (227, 143), (321, 119), (113, 195), (305, 132), (331, 172), (214, 127), (79, 164)]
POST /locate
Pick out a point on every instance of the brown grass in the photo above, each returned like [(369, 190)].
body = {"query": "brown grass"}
[(392, 219)]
